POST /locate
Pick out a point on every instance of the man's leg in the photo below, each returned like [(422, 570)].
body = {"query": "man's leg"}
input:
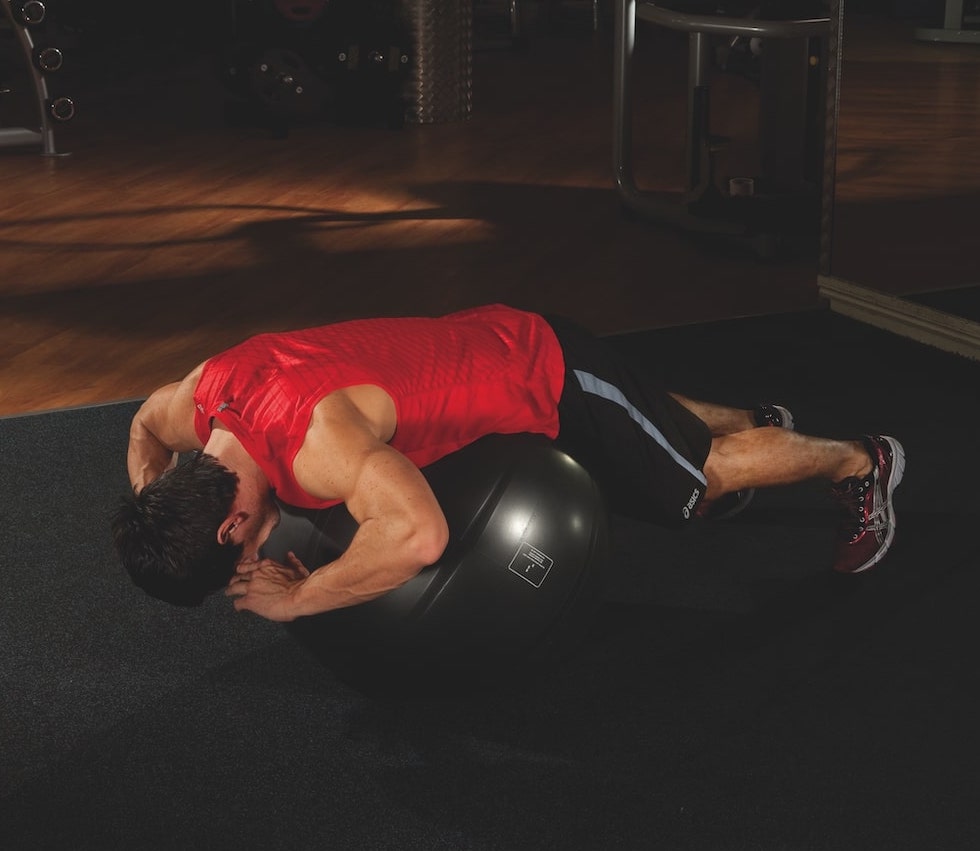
[(864, 474), (765, 457), (719, 419), (722, 420), (647, 446)]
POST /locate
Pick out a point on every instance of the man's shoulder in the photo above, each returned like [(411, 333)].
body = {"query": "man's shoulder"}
[(362, 407)]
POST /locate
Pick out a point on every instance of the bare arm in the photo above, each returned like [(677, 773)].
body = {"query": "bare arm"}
[(162, 427), (401, 530), (401, 526)]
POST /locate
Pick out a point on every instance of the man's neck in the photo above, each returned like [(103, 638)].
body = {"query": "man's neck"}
[(227, 448)]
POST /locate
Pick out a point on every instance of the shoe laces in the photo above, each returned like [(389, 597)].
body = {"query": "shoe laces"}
[(861, 514), (767, 415)]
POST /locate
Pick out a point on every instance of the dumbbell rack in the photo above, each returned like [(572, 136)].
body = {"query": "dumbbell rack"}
[(22, 16)]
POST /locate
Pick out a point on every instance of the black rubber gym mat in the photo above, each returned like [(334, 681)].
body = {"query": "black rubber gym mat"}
[(734, 694)]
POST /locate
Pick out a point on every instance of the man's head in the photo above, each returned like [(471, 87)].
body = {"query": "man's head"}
[(169, 536)]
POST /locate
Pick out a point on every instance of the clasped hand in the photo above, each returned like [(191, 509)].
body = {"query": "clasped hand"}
[(266, 587)]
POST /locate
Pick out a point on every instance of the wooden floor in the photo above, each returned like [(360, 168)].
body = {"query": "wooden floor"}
[(169, 234)]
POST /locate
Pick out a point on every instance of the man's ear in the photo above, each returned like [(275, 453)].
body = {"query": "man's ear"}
[(229, 524)]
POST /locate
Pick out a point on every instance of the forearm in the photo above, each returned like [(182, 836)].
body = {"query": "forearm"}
[(147, 457), (162, 427), (401, 527), (376, 562)]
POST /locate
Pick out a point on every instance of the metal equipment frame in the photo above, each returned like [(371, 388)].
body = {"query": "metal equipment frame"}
[(699, 27)]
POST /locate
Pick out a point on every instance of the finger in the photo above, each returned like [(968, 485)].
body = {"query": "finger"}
[(295, 562), (236, 588)]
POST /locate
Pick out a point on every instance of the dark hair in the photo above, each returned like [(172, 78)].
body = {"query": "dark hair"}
[(167, 534)]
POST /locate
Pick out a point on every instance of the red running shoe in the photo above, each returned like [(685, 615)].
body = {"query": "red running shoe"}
[(868, 524)]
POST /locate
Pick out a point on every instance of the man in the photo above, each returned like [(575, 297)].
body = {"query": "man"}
[(350, 413)]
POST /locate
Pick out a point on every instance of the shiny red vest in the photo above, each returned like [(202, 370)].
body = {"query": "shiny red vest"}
[(453, 380)]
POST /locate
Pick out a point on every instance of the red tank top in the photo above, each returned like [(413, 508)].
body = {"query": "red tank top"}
[(453, 380)]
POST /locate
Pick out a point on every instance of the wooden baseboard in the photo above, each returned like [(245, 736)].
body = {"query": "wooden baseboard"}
[(901, 316)]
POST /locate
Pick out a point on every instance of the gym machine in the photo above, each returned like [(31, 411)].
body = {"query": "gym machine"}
[(516, 12), (289, 62), (24, 17), (770, 213)]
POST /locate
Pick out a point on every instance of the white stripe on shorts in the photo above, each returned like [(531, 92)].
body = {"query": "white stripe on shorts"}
[(604, 390)]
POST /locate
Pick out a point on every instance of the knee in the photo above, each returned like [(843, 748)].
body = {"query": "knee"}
[(717, 469)]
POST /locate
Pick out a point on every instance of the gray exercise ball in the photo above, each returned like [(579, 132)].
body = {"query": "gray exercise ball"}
[(513, 592)]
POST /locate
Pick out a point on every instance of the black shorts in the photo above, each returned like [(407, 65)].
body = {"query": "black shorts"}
[(644, 448)]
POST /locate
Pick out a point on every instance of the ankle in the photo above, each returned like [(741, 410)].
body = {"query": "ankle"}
[(858, 464)]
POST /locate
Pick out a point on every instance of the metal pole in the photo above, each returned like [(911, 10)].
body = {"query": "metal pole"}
[(625, 36)]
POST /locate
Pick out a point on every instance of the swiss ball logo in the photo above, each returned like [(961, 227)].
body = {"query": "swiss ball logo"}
[(531, 564)]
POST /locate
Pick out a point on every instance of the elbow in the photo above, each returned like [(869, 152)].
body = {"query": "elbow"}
[(430, 542)]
